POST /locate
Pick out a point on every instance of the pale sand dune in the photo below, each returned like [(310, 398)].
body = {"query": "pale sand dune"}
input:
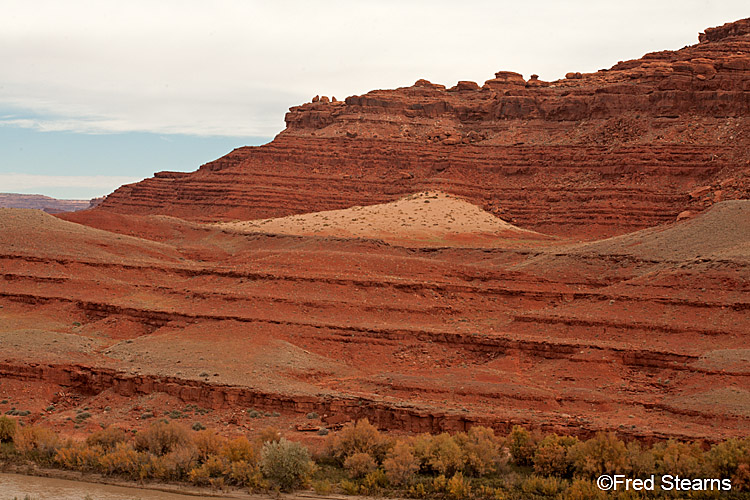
[(428, 218)]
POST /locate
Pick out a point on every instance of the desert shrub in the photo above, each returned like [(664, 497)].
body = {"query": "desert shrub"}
[(359, 465), (439, 484), (37, 443), (161, 437), (583, 489), (246, 474), (322, 487), (418, 490), (678, 458), (724, 458), (269, 435), (312, 415), (197, 426), (108, 438), (551, 456), (400, 463), (240, 449), (481, 451), (349, 487), (82, 416), (458, 487), (640, 460), (180, 461), (538, 486), (361, 437), (741, 477), (373, 483), (440, 454), (123, 460), (286, 464), (7, 429), (208, 443), (79, 456), (604, 453), (522, 445), (214, 467)]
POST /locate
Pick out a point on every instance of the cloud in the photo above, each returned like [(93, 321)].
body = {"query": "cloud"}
[(233, 68)]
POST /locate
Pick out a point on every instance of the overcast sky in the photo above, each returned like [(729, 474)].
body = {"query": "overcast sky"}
[(173, 84)]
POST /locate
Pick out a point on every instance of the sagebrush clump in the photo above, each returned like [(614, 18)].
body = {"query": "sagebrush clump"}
[(286, 464)]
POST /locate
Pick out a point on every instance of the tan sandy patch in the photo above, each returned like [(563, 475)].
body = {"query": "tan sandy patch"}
[(430, 218)]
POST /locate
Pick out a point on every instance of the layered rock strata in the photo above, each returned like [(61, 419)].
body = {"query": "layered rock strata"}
[(598, 153)]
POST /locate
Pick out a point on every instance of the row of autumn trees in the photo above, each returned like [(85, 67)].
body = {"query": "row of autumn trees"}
[(361, 460)]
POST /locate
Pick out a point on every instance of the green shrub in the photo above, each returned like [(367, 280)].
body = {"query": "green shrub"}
[(7, 429), (286, 464)]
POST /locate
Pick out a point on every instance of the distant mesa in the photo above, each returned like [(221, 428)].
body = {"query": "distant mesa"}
[(45, 203)]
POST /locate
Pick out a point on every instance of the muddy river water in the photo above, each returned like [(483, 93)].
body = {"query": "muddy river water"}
[(43, 488)]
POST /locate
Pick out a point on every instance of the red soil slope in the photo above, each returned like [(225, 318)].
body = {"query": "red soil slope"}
[(594, 154), (139, 308), (644, 334)]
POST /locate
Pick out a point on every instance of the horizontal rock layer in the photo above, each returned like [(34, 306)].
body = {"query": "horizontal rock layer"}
[(599, 153)]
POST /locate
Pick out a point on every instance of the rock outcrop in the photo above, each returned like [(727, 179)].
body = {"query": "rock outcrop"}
[(601, 153)]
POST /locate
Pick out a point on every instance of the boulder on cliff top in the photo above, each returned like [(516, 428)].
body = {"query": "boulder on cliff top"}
[(428, 84)]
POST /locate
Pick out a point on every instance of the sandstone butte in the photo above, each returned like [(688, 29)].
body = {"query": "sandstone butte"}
[(351, 268), (593, 154)]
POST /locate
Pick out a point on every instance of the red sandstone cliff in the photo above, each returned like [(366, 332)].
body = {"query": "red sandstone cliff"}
[(605, 153)]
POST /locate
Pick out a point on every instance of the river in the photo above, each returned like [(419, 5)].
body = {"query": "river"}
[(44, 488)]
